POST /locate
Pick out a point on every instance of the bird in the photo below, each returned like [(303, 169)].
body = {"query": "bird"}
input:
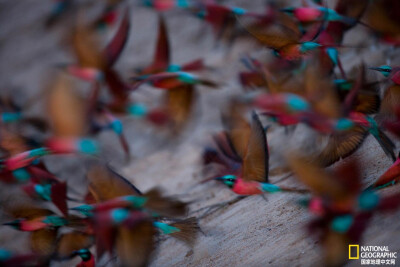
[(252, 177)]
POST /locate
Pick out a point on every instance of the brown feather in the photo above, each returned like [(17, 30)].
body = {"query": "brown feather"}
[(335, 248), (43, 241), (134, 246), (25, 209), (256, 160), (367, 103), (379, 17), (318, 180), (341, 145), (66, 109), (86, 48), (70, 242), (166, 206), (12, 143), (179, 102), (105, 185), (237, 127), (189, 228), (391, 100), (276, 36), (320, 92)]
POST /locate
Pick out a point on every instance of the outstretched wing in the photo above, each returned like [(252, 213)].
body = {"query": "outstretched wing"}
[(105, 184), (256, 160), (117, 44), (341, 145)]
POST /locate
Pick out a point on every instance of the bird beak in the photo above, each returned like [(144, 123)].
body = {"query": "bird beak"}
[(375, 68), (286, 10), (13, 223), (219, 179)]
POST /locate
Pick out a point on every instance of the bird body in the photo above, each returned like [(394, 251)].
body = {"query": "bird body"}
[(37, 223), (297, 51), (24, 159), (246, 188), (120, 202), (72, 145), (315, 14), (283, 102)]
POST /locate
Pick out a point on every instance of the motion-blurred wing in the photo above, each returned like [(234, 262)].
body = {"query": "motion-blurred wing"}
[(256, 160)]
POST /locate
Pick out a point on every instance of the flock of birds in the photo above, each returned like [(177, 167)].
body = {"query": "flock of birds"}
[(303, 83)]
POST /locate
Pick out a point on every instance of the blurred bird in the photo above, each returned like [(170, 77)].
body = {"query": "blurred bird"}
[(180, 96), (164, 5), (123, 216), (42, 223), (317, 13), (343, 209), (67, 115), (252, 177), (10, 259)]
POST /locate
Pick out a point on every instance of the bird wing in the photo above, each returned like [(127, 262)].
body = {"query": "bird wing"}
[(256, 160)]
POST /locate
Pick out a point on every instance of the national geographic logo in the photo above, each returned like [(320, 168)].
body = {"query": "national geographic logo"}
[(372, 255), (354, 252)]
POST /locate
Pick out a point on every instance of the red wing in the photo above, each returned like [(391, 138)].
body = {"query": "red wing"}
[(193, 65), (59, 197), (117, 44), (162, 54)]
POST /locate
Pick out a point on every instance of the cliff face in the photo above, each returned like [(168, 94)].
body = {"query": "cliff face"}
[(251, 232)]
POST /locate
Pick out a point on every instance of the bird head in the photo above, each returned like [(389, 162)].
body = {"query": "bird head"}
[(83, 253), (384, 69), (187, 77), (16, 224), (174, 68), (228, 180), (308, 46), (297, 103)]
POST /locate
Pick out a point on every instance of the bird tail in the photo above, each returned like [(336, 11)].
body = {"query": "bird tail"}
[(166, 206), (294, 190), (189, 229)]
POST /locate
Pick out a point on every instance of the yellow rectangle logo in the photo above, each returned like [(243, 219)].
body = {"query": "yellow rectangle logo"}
[(354, 257)]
